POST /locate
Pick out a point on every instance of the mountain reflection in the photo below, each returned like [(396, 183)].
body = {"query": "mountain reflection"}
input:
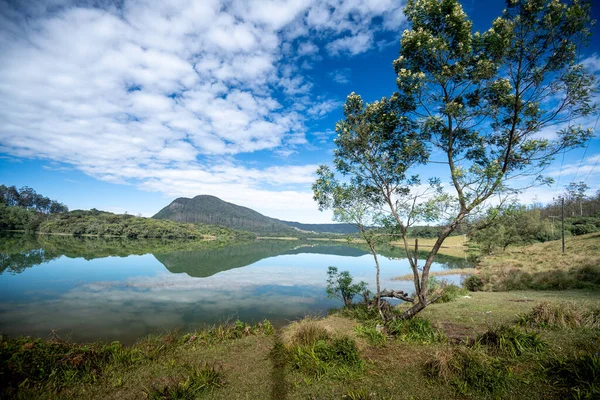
[(194, 258)]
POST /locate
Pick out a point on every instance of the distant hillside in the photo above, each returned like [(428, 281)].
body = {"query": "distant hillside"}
[(102, 223), (212, 210), (344, 229)]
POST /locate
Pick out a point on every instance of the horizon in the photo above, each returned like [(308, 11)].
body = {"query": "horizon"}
[(126, 107)]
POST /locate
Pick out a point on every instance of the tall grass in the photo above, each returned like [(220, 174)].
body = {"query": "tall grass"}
[(512, 341), (416, 329), (199, 379), (468, 370), (561, 315), (579, 375)]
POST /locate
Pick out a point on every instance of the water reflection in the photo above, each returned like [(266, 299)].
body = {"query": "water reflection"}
[(121, 289)]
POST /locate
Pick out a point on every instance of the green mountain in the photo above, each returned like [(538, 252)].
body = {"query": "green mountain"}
[(212, 210)]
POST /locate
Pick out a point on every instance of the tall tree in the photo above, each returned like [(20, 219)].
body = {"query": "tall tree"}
[(496, 105)]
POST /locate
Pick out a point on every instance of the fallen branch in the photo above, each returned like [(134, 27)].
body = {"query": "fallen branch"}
[(396, 294)]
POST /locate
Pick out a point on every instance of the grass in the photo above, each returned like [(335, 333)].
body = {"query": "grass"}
[(541, 266), (330, 357), (561, 315), (512, 341)]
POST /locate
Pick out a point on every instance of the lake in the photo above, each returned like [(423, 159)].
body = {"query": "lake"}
[(118, 289)]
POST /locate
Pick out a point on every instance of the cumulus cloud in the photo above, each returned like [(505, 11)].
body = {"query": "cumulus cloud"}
[(158, 94)]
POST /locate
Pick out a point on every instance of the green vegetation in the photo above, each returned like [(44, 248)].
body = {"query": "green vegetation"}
[(541, 267), (479, 99), (340, 286), (505, 339), (24, 209), (561, 315), (103, 223)]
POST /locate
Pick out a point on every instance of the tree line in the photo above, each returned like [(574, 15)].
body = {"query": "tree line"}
[(29, 199)]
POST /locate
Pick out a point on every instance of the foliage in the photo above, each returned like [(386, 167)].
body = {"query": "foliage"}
[(469, 371), (28, 199), (510, 340), (479, 99), (580, 375), (561, 315), (375, 336), (336, 357), (416, 329), (473, 283), (103, 223), (198, 380), (340, 286), (451, 293)]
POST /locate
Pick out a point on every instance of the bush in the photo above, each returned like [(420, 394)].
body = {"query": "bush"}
[(580, 375), (468, 370), (308, 333), (451, 293), (340, 286), (415, 330), (473, 283), (372, 334), (511, 341), (338, 358)]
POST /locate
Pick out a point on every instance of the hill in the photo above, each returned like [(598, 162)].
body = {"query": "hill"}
[(101, 223), (212, 210)]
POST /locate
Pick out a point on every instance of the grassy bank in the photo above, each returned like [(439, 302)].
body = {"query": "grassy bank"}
[(542, 266), (455, 349), (483, 344)]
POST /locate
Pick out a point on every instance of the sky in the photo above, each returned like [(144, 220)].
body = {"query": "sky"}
[(125, 105)]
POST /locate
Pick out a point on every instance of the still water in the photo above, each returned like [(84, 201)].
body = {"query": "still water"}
[(88, 288)]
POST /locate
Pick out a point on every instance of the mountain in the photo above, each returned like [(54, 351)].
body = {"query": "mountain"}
[(212, 210)]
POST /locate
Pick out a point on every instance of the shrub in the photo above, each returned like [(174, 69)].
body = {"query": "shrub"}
[(339, 285), (580, 375), (468, 370), (372, 334), (338, 357), (560, 315), (511, 340), (451, 293), (309, 332), (415, 330), (473, 283)]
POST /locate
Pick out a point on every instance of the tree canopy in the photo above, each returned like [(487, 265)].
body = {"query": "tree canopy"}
[(493, 108)]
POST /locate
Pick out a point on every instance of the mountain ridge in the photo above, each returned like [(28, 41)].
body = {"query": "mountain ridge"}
[(209, 209)]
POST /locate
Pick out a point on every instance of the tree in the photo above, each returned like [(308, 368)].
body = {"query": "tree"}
[(575, 193), (339, 285), (484, 101)]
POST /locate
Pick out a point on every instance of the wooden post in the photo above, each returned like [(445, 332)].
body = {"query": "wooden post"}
[(563, 225)]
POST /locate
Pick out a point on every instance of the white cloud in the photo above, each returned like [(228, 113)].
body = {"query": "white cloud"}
[(351, 44), (147, 92), (341, 75)]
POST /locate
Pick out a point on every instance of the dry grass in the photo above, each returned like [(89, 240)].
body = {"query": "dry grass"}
[(309, 330), (562, 315), (540, 257)]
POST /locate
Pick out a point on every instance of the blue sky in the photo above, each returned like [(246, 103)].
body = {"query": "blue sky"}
[(126, 105)]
